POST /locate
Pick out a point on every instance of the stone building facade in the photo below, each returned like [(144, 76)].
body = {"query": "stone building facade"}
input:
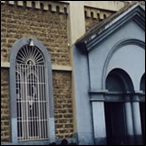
[(57, 25), (22, 20)]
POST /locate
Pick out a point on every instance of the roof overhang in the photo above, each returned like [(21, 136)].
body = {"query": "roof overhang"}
[(97, 34)]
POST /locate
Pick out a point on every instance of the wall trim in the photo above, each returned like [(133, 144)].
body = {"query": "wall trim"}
[(54, 67), (5, 65), (112, 5), (42, 5), (107, 96), (96, 13), (61, 68)]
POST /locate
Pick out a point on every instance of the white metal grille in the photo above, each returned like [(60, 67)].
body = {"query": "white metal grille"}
[(31, 95)]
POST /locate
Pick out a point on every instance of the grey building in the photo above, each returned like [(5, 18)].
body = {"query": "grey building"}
[(109, 76)]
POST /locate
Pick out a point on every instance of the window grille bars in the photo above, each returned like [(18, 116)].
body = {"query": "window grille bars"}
[(32, 121)]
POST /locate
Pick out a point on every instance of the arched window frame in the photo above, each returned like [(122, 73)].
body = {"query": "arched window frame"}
[(49, 92)]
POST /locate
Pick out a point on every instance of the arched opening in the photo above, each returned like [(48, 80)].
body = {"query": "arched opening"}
[(142, 83), (92, 15), (142, 107), (117, 83), (32, 116), (32, 103), (42, 6), (85, 13), (104, 16), (57, 9)]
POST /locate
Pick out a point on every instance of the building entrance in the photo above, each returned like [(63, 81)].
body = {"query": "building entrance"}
[(115, 123), (117, 83), (142, 111)]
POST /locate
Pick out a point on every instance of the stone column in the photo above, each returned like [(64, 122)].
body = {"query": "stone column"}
[(129, 123), (99, 123), (137, 122)]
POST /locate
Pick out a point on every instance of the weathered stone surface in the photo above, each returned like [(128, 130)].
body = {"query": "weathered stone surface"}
[(63, 104), (5, 111), (93, 16), (46, 26), (51, 29)]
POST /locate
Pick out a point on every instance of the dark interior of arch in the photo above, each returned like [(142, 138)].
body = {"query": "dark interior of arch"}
[(142, 83), (119, 80)]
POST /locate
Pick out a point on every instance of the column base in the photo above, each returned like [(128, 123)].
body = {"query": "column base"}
[(100, 141)]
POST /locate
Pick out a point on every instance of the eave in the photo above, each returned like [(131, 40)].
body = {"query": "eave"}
[(100, 32)]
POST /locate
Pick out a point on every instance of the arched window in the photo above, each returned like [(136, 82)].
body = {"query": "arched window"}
[(31, 92)]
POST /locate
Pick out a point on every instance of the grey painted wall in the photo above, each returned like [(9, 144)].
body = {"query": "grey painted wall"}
[(131, 58), (83, 105), (98, 56), (124, 49)]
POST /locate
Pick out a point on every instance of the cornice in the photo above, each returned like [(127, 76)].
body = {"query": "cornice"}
[(96, 13), (41, 5)]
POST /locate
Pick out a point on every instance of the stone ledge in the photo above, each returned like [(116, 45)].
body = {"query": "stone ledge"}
[(43, 5), (61, 68), (5, 65), (54, 67)]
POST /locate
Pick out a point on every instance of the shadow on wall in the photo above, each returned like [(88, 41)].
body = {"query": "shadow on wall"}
[(66, 142), (63, 142)]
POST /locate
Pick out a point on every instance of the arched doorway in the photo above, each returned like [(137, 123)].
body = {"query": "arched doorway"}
[(142, 107), (117, 84)]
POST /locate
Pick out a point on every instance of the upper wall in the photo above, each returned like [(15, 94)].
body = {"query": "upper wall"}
[(47, 22), (131, 58), (61, 30), (141, 2), (95, 15), (98, 55)]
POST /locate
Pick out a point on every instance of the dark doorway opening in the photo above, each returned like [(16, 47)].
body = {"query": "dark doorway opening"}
[(142, 111), (115, 123), (142, 107), (118, 83)]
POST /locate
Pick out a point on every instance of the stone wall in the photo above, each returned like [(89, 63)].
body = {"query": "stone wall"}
[(63, 104), (51, 28), (5, 113), (46, 26)]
